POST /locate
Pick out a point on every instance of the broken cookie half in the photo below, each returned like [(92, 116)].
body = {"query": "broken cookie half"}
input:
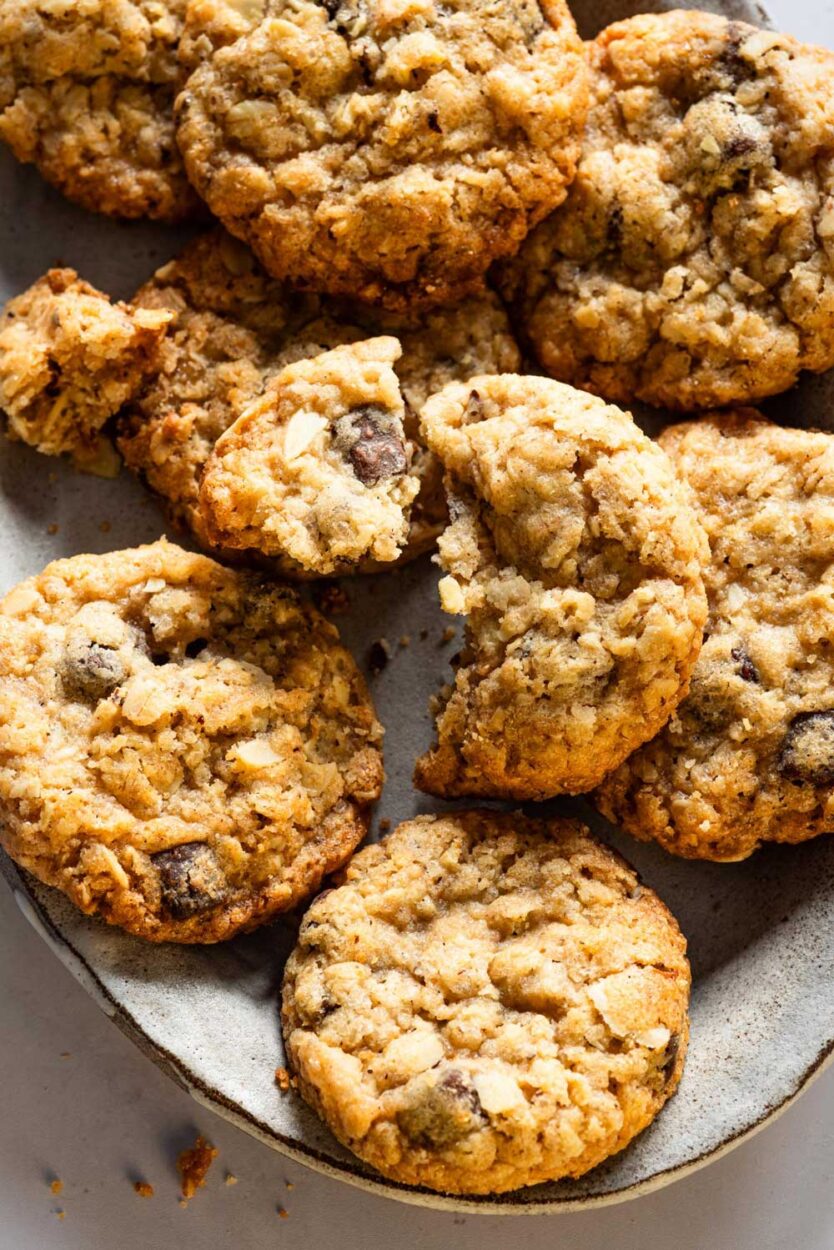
[(69, 359), (317, 471)]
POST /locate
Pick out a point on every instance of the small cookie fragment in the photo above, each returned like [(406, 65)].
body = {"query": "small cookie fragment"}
[(488, 1001), (69, 359), (387, 152), (236, 328), (748, 756), (87, 95), (316, 472), (193, 1166), (185, 750), (143, 1188), (692, 264), (574, 557)]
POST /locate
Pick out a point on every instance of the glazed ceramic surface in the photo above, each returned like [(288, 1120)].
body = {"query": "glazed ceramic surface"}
[(761, 934)]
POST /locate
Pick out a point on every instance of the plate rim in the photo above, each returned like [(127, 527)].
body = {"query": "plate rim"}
[(234, 1113)]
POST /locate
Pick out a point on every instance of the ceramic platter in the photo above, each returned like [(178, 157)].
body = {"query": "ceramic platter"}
[(761, 934)]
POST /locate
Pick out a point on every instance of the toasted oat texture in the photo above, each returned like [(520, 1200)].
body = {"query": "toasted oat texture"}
[(185, 750), (693, 263), (748, 757), (576, 560), (69, 359), (386, 151), (317, 469), (236, 328), (87, 94), (487, 1002)]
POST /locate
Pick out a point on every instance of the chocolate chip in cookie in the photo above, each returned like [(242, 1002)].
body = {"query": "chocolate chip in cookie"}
[(444, 1111), (807, 753), (190, 879), (90, 670)]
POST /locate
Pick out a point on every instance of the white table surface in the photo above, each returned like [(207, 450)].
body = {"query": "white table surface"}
[(81, 1104)]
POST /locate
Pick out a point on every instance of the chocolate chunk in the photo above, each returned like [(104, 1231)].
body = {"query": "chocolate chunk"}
[(434, 123), (732, 65), (190, 879), (444, 1112), (807, 754), (373, 451), (671, 1056), (747, 669), (91, 671), (740, 145)]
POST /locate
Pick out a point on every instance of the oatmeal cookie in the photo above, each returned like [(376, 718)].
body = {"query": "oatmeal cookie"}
[(693, 263), (185, 750), (236, 328), (487, 1002), (748, 757), (69, 359), (316, 471), (386, 151), (87, 94), (576, 561)]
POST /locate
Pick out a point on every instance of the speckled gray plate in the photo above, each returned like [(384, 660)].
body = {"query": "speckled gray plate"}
[(761, 933)]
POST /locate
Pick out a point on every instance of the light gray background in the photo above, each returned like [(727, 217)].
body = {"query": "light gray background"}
[(80, 1103)]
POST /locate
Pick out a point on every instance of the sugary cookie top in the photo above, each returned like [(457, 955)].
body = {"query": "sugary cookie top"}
[(236, 328), (69, 359), (486, 1002), (383, 149), (749, 755), (185, 750), (317, 470), (692, 264), (576, 561)]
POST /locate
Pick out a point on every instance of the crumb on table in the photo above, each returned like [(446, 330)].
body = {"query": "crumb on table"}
[(230, 1179), (56, 1186), (143, 1189), (193, 1165), (448, 634), (384, 825), (331, 599), (283, 1079), (283, 1213)]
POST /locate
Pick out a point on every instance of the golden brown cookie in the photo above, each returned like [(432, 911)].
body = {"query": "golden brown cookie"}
[(487, 1002), (748, 757), (692, 265), (69, 359), (185, 750), (384, 151), (575, 560), (236, 328), (316, 471), (87, 94)]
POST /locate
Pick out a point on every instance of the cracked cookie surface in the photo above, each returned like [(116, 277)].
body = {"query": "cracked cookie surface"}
[(87, 95), (235, 329), (185, 750), (487, 1002), (575, 559), (748, 756), (69, 359), (692, 265), (317, 470), (385, 149)]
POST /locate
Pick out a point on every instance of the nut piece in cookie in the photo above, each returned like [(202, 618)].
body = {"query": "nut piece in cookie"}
[(185, 750), (69, 359), (387, 152), (487, 1002), (316, 471), (692, 265), (575, 559), (235, 329), (87, 95), (748, 756)]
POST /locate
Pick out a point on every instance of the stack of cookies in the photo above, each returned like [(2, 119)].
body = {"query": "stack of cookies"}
[(415, 201)]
